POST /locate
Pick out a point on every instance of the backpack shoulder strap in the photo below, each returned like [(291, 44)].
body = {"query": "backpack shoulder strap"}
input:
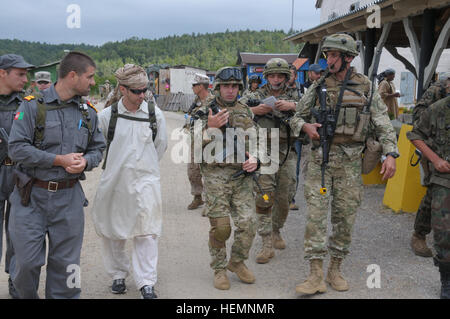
[(39, 126), (152, 118), (111, 129)]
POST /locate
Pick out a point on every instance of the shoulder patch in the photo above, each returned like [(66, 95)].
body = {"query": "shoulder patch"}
[(91, 106), (29, 98)]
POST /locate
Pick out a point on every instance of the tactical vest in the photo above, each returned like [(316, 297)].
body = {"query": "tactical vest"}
[(41, 114), (353, 101), (289, 94), (113, 122), (240, 117)]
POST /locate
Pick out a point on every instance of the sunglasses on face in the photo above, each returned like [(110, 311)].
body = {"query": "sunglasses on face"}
[(229, 73), (42, 82), (137, 91)]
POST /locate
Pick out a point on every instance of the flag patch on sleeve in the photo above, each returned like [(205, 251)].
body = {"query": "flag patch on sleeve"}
[(19, 116)]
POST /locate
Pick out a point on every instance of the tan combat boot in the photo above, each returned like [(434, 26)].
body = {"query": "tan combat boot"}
[(196, 202), (314, 283), (221, 280), (278, 242), (419, 246), (241, 270), (267, 250), (334, 276)]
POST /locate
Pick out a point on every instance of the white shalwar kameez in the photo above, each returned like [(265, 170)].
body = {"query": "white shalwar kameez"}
[(128, 202)]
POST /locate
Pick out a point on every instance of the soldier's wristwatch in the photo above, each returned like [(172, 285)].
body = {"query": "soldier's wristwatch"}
[(393, 154)]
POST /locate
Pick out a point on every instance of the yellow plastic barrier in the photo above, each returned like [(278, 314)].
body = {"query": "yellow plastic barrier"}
[(374, 177), (404, 192)]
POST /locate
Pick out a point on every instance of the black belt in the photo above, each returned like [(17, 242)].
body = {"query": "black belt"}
[(54, 186)]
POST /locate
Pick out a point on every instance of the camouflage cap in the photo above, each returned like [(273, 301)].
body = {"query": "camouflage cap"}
[(13, 61), (43, 76), (200, 79), (340, 42)]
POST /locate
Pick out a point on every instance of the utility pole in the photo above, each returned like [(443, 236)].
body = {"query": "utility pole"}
[(292, 19)]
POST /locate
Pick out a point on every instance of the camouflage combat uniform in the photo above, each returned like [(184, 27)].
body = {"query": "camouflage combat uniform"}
[(193, 169), (433, 128), (422, 222), (226, 197), (248, 95), (343, 174), (280, 186)]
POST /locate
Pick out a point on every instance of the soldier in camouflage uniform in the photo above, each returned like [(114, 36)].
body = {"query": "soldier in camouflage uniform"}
[(253, 84), (13, 77), (343, 173), (280, 185), (422, 226), (203, 97), (431, 135), (227, 196)]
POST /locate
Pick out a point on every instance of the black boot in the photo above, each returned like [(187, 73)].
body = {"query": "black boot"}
[(444, 269), (445, 284)]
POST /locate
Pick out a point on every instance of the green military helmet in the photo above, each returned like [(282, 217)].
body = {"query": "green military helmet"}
[(340, 42), (277, 65), (228, 75)]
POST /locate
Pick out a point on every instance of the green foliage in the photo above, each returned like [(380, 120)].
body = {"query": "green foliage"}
[(209, 51)]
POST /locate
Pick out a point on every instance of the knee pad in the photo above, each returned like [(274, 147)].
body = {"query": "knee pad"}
[(263, 210), (220, 231)]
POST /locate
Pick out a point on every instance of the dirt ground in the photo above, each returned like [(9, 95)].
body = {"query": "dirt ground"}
[(380, 237)]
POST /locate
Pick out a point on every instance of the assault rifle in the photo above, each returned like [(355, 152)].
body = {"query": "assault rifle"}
[(327, 117), (215, 109)]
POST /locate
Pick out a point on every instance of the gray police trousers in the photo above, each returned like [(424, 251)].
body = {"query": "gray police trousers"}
[(60, 216), (6, 188)]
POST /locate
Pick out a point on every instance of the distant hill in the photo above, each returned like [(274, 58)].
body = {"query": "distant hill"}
[(210, 51)]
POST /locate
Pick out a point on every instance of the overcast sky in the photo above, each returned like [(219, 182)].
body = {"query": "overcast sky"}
[(113, 20)]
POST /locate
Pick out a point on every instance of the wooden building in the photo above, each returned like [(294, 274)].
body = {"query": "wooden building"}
[(421, 25)]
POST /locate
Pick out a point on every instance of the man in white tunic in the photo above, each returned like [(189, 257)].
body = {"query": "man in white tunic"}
[(128, 201)]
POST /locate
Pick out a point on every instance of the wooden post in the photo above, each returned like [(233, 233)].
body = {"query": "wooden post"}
[(426, 47), (369, 44)]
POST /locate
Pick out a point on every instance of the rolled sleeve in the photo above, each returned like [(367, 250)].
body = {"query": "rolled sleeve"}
[(383, 127), (303, 111)]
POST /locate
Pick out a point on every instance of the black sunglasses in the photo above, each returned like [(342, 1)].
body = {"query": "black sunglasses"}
[(42, 82), (137, 91), (229, 73)]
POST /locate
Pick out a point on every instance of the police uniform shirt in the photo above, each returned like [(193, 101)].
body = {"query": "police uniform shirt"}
[(65, 132), (6, 111)]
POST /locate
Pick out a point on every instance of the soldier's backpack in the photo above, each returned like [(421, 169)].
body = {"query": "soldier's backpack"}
[(113, 121)]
